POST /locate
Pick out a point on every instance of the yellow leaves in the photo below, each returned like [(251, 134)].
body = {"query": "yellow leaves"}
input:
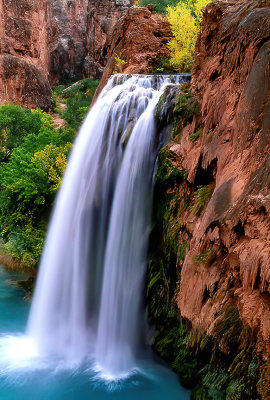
[(199, 5), (185, 22), (52, 161), (3, 137), (119, 64)]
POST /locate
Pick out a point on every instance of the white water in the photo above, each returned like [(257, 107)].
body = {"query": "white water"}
[(89, 288)]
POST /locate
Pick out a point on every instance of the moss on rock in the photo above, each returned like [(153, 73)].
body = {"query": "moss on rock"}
[(223, 365)]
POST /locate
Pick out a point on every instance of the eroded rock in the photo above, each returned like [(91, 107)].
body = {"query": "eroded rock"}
[(139, 39), (231, 80)]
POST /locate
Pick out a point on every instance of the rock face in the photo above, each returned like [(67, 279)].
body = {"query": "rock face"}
[(66, 30), (102, 18), (227, 264), (77, 32), (140, 40), (232, 81), (44, 41), (23, 53)]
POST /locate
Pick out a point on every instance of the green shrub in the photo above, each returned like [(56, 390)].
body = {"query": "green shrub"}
[(186, 107), (78, 98), (195, 135), (119, 64), (15, 123), (201, 198), (28, 184)]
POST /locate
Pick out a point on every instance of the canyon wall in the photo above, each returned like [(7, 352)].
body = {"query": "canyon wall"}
[(77, 32), (218, 208), (23, 53), (42, 42), (102, 18)]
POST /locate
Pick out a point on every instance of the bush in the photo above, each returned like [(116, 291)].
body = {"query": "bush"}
[(77, 97), (194, 136), (119, 64), (184, 19), (15, 123), (28, 184), (160, 5), (186, 106)]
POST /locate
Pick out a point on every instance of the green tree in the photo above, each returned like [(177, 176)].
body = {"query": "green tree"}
[(15, 123), (28, 184), (77, 97), (185, 19)]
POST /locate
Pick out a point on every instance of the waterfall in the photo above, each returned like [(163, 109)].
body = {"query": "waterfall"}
[(88, 292)]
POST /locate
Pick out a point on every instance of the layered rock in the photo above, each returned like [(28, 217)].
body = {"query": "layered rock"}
[(231, 79), (66, 30), (225, 278)]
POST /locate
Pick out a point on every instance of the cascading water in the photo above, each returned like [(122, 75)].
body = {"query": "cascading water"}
[(88, 293)]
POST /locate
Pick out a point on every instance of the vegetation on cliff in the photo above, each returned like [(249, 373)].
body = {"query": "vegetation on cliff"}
[(223, 364), (185, 18), (33, 159), (77, 97), (29, 181)]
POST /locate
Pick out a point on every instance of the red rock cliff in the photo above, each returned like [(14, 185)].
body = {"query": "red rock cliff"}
[(42, 41), (102, 18), (140, 39), (23, 53), (77, 32), (228, 264)]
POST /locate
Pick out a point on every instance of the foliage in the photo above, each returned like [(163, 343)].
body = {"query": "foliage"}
[(160, 5), (168, 242), (15, 123), (201, 198), (28, 183), (77, 97), (210, 370), (119, 64), (205, 257), (163, 64), (168, 173), (53, 161), (194, 136), (184, 18), (185, 108)]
